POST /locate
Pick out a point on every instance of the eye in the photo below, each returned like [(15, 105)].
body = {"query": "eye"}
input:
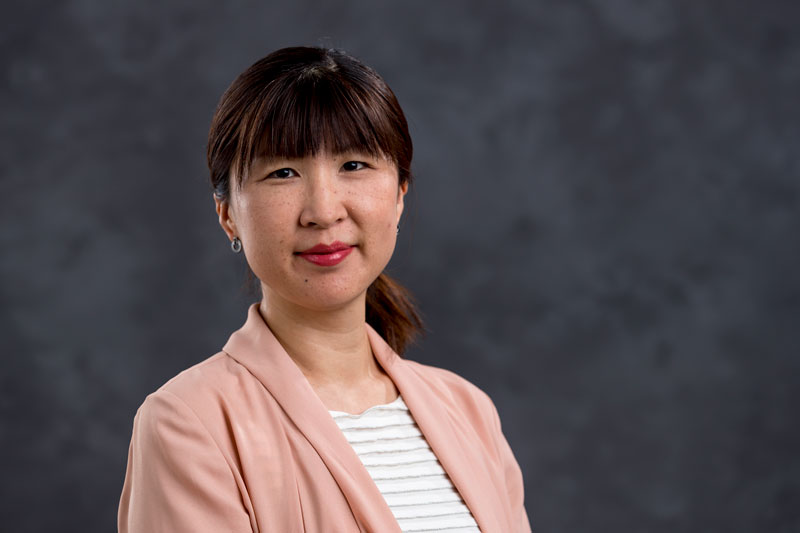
[(354, 165), (282, 173)]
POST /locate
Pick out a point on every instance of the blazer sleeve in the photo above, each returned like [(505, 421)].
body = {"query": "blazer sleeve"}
[(177, 478), (513, 478)]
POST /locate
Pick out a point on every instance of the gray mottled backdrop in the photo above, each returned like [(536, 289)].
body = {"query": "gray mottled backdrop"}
[(603, 236)]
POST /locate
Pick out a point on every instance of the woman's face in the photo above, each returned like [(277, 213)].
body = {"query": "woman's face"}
[(316, 231)]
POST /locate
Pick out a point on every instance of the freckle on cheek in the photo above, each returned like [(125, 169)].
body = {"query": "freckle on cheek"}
[(305, 280)]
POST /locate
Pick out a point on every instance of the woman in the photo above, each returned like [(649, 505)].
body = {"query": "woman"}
[(308, 420)]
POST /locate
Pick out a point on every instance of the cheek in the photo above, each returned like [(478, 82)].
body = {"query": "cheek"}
[(270, 213), (266, 229), (379, 204), (379, 222)]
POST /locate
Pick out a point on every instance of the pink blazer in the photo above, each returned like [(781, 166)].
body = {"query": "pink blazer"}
[(241, 443)]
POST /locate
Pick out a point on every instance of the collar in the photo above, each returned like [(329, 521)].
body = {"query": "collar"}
[(256, 348)]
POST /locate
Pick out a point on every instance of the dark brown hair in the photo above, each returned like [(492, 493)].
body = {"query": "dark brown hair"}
[(300, 101)]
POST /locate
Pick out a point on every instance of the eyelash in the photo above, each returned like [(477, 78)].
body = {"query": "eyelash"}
[(274, 174), (363, 165)]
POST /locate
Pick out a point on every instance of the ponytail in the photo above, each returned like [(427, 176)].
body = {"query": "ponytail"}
[(391, 312)]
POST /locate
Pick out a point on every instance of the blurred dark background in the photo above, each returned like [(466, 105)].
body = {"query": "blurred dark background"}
[(603, 236)]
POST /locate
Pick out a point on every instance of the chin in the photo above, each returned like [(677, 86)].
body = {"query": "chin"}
[(326, 296), (326, 303), (329, 292)]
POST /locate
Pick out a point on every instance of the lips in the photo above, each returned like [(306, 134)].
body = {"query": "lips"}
[(326, 255)]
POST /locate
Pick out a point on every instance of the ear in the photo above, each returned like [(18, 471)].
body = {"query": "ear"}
[(401, 194), (225, 215)]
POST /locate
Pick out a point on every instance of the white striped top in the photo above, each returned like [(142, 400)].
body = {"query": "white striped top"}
[(405, 469)]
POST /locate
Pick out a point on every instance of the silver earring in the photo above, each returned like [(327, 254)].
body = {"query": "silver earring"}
[(398, 229), (236, 245)]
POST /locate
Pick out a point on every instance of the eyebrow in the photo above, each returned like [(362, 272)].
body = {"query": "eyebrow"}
[(261, 161)]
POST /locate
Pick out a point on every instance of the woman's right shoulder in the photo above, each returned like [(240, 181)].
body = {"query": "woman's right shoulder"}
[(218, 383), (182, 472)]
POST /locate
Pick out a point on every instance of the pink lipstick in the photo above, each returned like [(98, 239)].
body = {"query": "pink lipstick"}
[(326, 254)]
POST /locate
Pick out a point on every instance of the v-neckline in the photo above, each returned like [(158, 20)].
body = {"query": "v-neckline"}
[(256, 347)]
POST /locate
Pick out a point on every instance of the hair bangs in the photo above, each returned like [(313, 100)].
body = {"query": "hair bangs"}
[(318, 113), (298, 102)]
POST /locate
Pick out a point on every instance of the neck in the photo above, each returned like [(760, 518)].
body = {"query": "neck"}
[(330, 347)]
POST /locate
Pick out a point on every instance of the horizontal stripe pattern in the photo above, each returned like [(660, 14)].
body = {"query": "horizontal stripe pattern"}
[(405, 469)]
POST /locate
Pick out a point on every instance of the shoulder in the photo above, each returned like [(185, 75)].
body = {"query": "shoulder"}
[(181, 453), (216, 373), (456, 391), (204, 394), (447, 381)]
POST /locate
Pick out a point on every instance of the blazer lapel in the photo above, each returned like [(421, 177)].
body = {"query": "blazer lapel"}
[(450, 439), (255, 347)]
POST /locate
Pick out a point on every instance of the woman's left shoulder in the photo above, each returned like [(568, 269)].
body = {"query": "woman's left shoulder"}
[(453, 387)]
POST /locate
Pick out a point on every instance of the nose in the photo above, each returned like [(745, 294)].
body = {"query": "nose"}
[(323, 206)]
